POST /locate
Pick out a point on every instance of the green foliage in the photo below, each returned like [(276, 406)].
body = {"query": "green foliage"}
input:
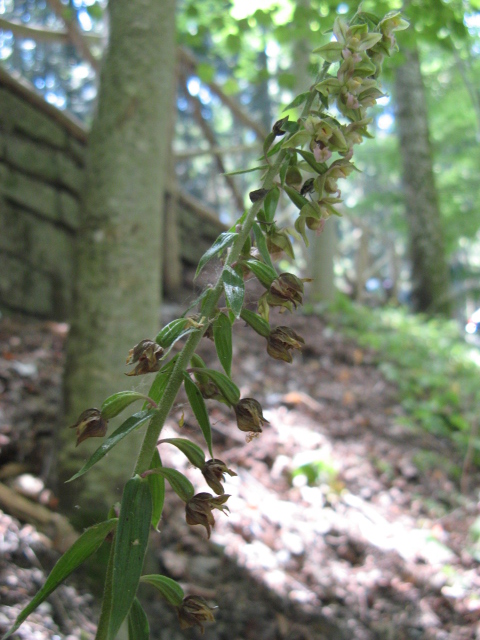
[(435, 371)]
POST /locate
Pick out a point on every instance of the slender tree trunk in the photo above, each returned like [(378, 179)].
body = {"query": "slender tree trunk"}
[(430, 279), (118, 277), (321, 253)]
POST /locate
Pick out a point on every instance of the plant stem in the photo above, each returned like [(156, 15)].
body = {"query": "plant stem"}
[(176, 377)]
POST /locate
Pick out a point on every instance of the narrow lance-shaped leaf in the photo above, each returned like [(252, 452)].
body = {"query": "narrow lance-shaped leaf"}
[(296, 102), (179, 483), (160, 381), (106, 611), (298, 200), (240, 171), (227, 388), (130, 424), (191, 450), (262, 245), (199, 409), (223, 241), (167, 335), (170, 590), (270, 205), (130, 545), (118, 402), (265, 274), (82, 549), (234, 288), (157, 490), (222, 337), (257, 323), (138, 627)]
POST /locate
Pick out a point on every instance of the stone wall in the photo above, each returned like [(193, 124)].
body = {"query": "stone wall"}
[(42, 154)]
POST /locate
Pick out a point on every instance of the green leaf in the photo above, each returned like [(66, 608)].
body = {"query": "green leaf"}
[(223, 241), (160, 382), (192, 451), (328, 86), (227, 388), (298, 200), (257, 323), (234, 288), (283, 170), (222, 337), (297, 140), (179, 483), (157, 490), (265, 274), (118, 402), (197, 403), (132, 423), (170, 332), (296, 102), (319, 167), (138, 628), (82, 549), (105, 613), (271, 201), (262, 167), (131, 541), (240, 220), (262, 245), (268, 141), (170, 590), (331, 52)]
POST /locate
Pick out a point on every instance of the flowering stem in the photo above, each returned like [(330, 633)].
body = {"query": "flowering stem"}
[(176, 377)]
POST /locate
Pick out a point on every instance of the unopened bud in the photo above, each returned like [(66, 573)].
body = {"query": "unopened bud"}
[(90, 424), (148, 355), (281, 341), (285, 289), (194, 610), (214, 473), (249, 415), (198, 509)]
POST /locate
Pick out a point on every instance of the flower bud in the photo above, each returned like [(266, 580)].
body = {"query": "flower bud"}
[(90, 424), (249, 415), (148, 355), (198, 509), (214, 473), (281, 341), (257, 195), (279, 242), (277, 127), (193, 611), (285, 289)]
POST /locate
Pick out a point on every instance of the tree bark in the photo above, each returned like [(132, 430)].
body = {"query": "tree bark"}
[(118, 261), (321, 252), (429, 270)]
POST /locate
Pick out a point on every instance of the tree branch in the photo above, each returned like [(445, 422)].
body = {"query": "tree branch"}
[(210, 136), (191, 63), (75, 35)]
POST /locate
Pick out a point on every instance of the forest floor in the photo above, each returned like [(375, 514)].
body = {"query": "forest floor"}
[(345, 520)]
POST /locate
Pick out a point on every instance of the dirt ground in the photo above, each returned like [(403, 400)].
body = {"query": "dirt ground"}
[(345, 522)]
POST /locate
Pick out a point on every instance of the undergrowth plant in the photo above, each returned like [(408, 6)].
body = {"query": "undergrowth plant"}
[(311, 154)]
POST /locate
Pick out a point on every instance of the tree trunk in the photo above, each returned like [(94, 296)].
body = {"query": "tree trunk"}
[(430, 280), (118, 262), (321, 253)]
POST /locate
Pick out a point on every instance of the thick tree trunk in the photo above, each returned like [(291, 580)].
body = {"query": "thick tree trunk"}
[(430, 280), (118, 278)]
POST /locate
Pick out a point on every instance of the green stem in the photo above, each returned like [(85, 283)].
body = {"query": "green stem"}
[(176, 377)]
